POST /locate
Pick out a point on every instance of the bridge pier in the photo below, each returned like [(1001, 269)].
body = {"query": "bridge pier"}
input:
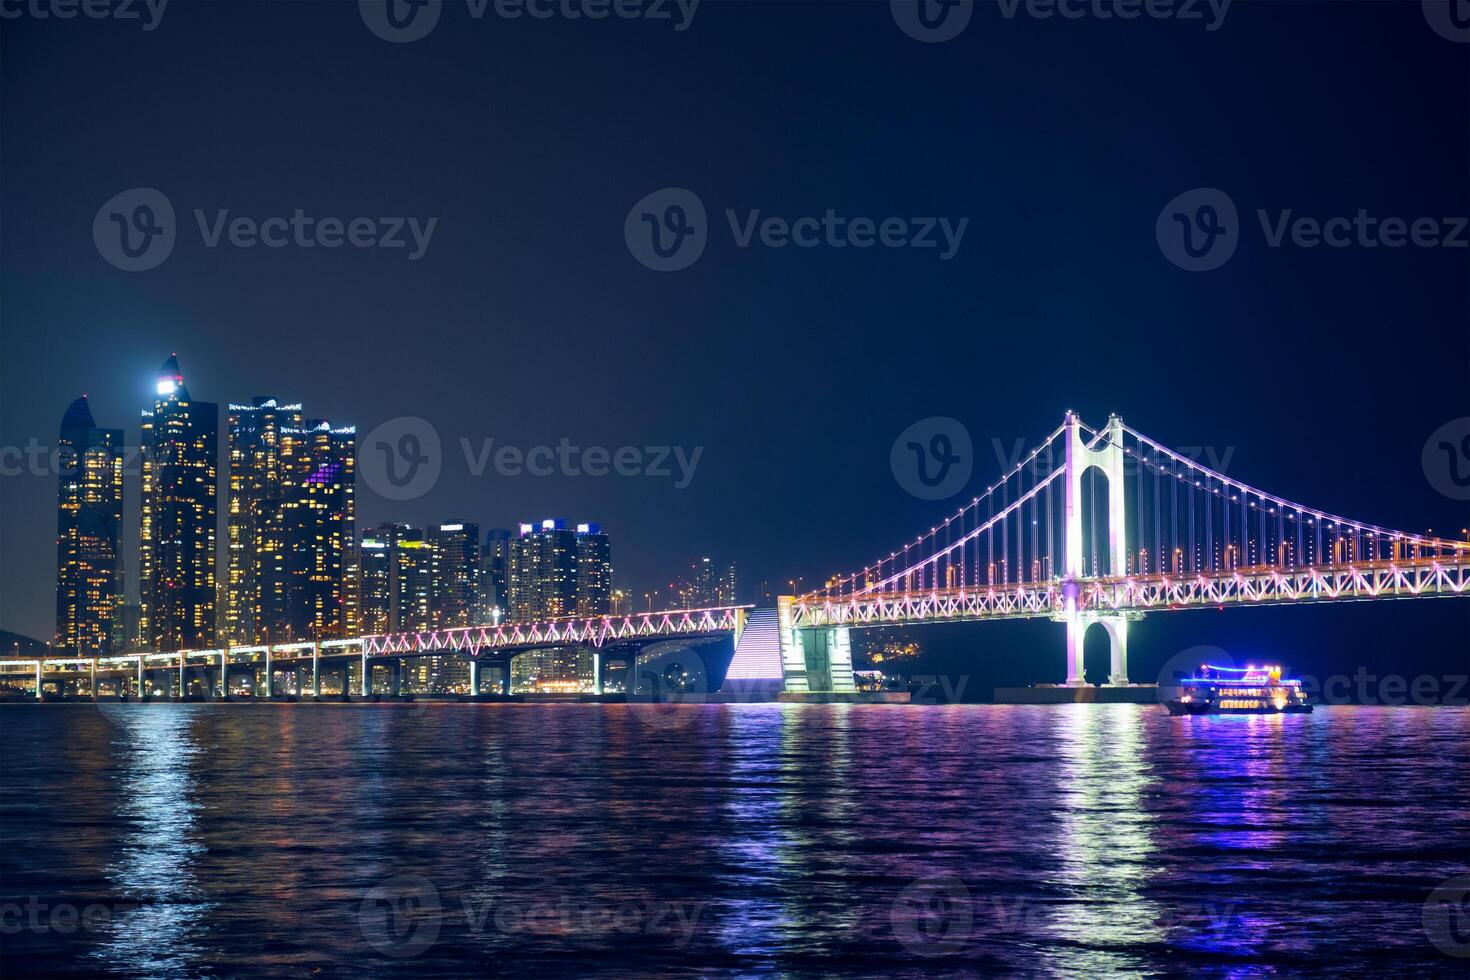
[(1117, 630), (813, 660)]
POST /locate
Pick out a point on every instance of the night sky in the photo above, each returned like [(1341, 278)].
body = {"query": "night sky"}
[(1322, 372)]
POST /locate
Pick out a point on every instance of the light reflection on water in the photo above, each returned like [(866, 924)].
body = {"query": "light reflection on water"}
[(1082, 839), (161, 918)]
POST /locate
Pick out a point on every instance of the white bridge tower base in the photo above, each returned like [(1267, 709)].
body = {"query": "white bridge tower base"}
[(1107, 457)]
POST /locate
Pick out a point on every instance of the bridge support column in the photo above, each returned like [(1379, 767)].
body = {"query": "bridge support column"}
[(505, 678), (814, 660), (365, 682), (793, 662), (474, 677), (1107, 457), (316, 669), (596, 671), (1117, 628), (1076, 635)]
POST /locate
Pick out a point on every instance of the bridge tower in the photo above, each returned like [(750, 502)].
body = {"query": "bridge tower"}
[(1107, 457)]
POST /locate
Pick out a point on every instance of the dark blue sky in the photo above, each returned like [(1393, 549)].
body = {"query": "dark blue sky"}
[(528, 320)]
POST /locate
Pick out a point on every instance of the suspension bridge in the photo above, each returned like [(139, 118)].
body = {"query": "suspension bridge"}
[(1094, 527)]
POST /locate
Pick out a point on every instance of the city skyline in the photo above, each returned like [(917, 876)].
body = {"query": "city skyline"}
[(1058, 298), (290, 563), (668, 487)]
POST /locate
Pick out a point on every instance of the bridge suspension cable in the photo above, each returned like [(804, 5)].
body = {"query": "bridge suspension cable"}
[(1180, 517)]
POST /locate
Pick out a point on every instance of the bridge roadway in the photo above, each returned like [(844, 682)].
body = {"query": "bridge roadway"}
[(209, 672), (1254, 586)]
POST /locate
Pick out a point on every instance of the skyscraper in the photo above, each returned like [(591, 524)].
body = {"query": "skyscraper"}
[(704, 588), (375, 584), (456, 574), (179, 514), (495, 576), (291, 526), (594, 571), (256, 583), (396, 589), (320, 526), (89, 516), (542, 578)]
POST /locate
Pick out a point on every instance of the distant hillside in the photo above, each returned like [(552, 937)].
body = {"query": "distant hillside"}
[(17, 645)]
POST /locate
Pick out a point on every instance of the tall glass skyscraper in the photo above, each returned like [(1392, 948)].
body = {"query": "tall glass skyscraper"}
[(179, 515), (319, 518), (594, 571), (543, 571), (89, 518), (255, 605), (292, 526), (456, 585)]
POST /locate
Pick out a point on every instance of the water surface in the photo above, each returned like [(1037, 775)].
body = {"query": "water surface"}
[(440, 840)]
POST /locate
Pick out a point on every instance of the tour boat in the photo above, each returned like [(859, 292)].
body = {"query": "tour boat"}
[(1239, 691)]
